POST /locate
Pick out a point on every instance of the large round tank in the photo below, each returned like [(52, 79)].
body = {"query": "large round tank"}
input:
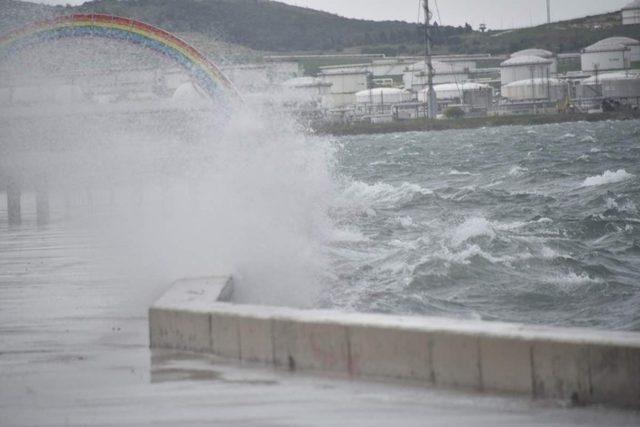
[(382, 95), (474, 94), (632, 44), (524, 67), (535, 90), (631, 13), (605, 56), (623, 84), (540, 53)]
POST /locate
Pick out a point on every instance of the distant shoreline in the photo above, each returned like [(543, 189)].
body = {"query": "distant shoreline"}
[(421, 125)]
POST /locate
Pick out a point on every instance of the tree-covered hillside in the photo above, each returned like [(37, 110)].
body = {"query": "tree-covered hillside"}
[(272, 26)]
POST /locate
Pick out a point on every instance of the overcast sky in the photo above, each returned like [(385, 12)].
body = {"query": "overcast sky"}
[(495, 13)]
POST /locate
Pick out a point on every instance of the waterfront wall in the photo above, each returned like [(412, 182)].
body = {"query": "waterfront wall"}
[(584, 366)]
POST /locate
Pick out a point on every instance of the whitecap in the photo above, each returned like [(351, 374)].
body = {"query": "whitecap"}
[(568, 136), (517, 171), (380, 194), (588, 138), (405, 221), (608, 177), (472, 227), (457, 172)]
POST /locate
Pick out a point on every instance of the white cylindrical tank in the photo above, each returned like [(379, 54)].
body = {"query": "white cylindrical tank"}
[(632, 44), (451, 91), (536, 90), (631, 13), (524, 67), (382, 95), (623, 84), (605, 57), (540, 53), (415, 76)]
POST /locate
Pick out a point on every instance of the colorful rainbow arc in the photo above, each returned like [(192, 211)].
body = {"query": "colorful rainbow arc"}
[(206, 74)]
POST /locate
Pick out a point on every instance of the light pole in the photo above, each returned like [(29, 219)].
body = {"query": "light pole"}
[(432, 100)]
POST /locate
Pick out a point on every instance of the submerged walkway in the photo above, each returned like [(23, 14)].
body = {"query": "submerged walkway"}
[(74, 351)]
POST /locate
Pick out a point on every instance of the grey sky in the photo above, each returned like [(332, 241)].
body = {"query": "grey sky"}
[(495, 13)]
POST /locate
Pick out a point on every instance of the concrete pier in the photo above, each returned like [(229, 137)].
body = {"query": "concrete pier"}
[(579, 365), (14, 196)]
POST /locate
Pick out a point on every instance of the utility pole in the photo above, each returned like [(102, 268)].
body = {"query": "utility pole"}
[(548, 11), (432, 100)]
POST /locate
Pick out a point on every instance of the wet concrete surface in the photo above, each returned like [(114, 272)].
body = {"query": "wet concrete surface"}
[(74, 352)]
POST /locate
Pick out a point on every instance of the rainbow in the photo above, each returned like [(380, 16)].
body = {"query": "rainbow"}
[(204, 72)]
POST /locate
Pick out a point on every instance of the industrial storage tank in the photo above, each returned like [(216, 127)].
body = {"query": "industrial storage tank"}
[(622, 84), (605, 57), (524, 67), (631, 13), (469, 93), (382, 96), (310, 86), (540, 53), (415, 77), (538, 89), (632, 44)]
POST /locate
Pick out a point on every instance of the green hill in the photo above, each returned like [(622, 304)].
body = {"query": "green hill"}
[(271, 26)]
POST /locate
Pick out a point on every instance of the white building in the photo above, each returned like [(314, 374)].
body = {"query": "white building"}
[(621, 84), (415, 77), (631, 13), (537, 89), (605, 57), (540, 53), (523, 68), (344, 86)]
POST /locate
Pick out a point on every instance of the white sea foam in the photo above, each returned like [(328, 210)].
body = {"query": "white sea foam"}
[(472, 227), (517, 171), (570, 279), (608, 177), (624, 206), (405, 221), (457, 172), (588, 138), (363, 195)]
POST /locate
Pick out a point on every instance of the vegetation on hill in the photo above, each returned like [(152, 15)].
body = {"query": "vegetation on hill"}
[(272, 26)]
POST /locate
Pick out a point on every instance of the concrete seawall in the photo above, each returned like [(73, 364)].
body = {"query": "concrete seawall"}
[(585, 366)]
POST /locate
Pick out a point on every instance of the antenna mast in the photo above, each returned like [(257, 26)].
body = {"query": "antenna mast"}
[(432, 101), (548, 11)]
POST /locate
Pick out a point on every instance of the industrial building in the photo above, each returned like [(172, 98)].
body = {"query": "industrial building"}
[(631, 13), (605, 57), (523, 68)]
